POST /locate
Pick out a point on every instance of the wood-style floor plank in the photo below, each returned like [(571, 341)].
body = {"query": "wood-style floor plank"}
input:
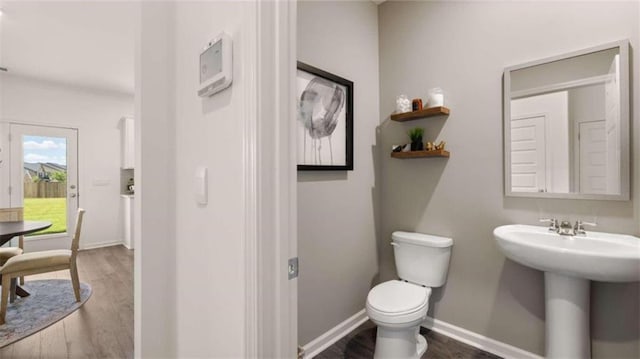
[(103, 326), (361, 343), (53, 343), (104, 339), (28, 347), (78, 336), (6, 352)]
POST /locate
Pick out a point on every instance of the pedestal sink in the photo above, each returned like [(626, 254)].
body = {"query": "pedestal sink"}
[(569, 263)]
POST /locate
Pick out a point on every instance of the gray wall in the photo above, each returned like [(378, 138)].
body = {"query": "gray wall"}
[(337, 211), (463, 47)]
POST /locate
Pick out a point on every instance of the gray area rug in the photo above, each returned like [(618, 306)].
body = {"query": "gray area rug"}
[(50, 301)]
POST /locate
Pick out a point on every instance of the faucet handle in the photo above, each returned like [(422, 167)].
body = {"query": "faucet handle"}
[(553, 223), (578, 228)]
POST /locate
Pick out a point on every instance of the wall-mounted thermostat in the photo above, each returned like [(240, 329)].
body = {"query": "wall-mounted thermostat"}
[(216, 65)]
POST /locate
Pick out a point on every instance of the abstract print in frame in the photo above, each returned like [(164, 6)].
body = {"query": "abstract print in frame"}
[(324, 120)]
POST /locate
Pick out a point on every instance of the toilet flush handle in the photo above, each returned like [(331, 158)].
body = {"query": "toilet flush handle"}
[(395, 244)]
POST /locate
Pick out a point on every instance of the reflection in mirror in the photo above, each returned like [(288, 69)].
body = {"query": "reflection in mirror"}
[(566, 126)]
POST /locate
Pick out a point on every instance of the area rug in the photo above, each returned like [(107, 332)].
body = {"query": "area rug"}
[(50, 301)]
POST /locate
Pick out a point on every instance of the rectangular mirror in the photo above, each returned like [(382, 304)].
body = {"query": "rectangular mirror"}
[(566, 125)]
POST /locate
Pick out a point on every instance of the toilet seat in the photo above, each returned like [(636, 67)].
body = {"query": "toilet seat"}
[(397, 302)]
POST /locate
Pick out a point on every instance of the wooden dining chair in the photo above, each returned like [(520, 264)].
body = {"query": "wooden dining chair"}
[(42, 262), (12, 215)]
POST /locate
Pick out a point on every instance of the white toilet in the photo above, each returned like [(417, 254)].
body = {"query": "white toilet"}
[(398, 307)]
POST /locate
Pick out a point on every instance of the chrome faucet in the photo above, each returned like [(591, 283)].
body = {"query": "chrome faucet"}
[(578, 228), (565, 228)]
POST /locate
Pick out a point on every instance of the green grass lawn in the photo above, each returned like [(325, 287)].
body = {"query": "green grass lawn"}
[(47, 209)]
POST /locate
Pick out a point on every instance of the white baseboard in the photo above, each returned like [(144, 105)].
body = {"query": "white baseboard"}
[(478, 341), (336, 333), (124, 243), (101, 245)]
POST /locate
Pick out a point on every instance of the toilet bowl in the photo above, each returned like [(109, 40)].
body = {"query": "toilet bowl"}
[(398, 307)]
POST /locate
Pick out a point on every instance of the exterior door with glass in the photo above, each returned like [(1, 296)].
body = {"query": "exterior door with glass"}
[(44, 176)]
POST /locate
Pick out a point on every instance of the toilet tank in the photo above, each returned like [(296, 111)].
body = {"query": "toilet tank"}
[(422, 258)]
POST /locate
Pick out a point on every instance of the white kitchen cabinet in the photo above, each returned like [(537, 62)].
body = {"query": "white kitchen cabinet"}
[(128, 143), (127, 210)]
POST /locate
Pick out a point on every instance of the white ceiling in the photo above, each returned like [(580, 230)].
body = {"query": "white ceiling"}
[(86, 44)]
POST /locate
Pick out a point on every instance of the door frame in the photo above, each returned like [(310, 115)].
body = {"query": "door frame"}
[(271, 320)]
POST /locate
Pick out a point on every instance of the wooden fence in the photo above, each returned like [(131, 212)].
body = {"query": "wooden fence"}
[(45, 189)]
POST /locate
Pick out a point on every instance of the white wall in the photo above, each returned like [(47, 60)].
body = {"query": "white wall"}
[(154, 203), (192, 292), (464, 47), (209, 132), (96, 115), (585, 104), (338, 210)]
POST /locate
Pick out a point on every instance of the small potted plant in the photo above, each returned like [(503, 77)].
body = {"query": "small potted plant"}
[(415, 134)]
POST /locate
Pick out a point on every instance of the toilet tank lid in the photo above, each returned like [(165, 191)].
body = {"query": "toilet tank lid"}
[(421, 239)]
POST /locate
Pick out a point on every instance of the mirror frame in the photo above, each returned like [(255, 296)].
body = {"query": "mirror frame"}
[(625, 120)]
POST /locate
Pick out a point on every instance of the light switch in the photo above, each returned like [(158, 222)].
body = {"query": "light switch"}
[(201, 191)]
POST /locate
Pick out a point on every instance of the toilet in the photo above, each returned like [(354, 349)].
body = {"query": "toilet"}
[(398, 307)]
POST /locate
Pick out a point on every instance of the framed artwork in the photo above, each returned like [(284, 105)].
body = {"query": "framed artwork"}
[(324, 120)]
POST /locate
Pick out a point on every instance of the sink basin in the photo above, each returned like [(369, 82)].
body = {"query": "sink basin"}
[(569, 263), (597, 256)]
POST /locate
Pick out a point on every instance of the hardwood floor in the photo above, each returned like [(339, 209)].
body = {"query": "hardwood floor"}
[(103, 326), (361, 343)]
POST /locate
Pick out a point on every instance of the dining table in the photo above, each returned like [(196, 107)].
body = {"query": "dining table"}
[(9, 230)]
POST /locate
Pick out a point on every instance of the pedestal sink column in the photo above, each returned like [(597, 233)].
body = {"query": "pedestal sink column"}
[(567, 316)]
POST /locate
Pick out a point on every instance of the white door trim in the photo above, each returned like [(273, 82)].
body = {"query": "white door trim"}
[(270, 185)]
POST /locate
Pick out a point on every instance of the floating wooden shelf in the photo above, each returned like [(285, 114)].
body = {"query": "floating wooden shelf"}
[(414, 115), (420, 154)]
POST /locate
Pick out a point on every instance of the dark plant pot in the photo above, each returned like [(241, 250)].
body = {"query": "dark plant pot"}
[(417, 145)]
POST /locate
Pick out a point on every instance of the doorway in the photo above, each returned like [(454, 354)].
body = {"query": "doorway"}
[(44, 178)]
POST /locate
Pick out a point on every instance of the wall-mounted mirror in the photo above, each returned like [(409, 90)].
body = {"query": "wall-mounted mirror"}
[(566, 125)]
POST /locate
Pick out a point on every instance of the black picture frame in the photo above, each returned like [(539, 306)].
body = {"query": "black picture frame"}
[(303, 131)]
